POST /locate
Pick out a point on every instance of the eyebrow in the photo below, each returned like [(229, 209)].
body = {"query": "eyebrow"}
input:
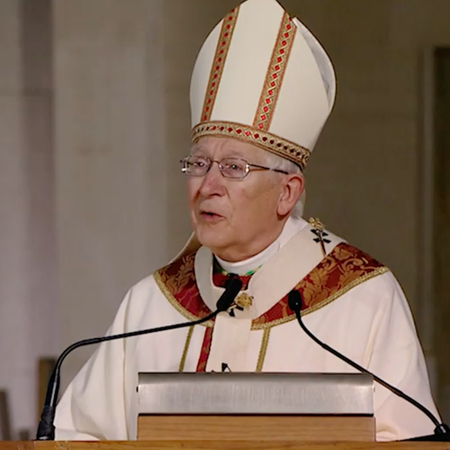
[(195, 148)]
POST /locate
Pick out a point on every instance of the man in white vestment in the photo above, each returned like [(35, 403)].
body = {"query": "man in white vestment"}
[(261, 91)]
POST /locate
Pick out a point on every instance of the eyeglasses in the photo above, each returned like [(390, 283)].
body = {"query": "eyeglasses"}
[(234, 168)]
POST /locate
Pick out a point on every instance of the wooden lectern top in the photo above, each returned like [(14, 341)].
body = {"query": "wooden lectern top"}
[(209, 445)]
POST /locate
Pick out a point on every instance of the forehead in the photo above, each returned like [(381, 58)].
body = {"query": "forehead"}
[(216, 147)]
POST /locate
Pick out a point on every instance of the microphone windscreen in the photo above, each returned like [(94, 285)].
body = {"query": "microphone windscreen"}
[(295, 301), (231, 291)]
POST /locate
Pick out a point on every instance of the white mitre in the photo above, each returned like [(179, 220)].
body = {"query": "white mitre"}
[(263, 78)]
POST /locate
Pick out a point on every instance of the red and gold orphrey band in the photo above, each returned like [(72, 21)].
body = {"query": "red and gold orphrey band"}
[(343, 269), (275, 74), (226, 34), (204, 352), (263, 139)]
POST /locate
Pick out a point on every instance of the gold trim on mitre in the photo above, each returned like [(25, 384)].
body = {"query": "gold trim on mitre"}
[(263, 78), (275, 74), (218, 63), (263, 139)]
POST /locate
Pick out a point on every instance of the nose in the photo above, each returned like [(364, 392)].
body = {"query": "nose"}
[(212, 182)]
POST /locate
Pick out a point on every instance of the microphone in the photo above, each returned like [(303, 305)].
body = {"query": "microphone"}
[(46, 428), (441, 432)]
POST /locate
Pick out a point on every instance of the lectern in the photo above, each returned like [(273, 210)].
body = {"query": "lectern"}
[(260, 411), (228, 406)]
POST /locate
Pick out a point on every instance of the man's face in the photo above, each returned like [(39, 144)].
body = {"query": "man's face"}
[(236, 219)]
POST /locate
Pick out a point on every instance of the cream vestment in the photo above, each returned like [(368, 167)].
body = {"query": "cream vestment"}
[(368, 320)]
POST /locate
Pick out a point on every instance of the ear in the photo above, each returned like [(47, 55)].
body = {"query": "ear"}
[(292, 188)]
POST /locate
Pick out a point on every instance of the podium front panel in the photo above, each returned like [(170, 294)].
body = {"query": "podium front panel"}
[(255, 393)]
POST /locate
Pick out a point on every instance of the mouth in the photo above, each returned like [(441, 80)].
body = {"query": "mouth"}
[(210, 216)]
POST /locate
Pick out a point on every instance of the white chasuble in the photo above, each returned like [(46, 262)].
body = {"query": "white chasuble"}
[(351, 302)]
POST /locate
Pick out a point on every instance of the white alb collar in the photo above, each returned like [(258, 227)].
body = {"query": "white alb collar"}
[(291, 227)]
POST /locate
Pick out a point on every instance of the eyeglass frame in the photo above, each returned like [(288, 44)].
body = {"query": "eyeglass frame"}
[(248, 167)]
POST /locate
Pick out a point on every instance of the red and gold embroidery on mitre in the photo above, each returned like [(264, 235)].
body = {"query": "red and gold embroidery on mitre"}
[(261, 77)]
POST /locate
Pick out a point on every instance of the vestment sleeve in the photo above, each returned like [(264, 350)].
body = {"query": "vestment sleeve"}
[(93, 406), (396, 356)]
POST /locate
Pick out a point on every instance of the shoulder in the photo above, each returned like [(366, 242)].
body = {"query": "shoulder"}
[(179, 267), (344, 268), (345, 253), (148, 297), (149, 284), (142, 288), (364, 277), (371, 294), (138, 299), (370, 284), (351, 259), (374, 276)]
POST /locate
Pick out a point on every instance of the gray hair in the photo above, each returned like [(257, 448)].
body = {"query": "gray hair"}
[(278, 162)]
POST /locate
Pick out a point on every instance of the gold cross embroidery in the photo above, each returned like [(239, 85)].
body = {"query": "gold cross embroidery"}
[(319, 228)]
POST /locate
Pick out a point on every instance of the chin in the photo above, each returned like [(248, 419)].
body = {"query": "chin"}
[(211, 238)]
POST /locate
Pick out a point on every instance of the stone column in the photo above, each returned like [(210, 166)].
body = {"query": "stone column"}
[(27, 235), (110, 158)]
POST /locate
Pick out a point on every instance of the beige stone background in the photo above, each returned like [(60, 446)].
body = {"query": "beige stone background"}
[(94, 118)]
